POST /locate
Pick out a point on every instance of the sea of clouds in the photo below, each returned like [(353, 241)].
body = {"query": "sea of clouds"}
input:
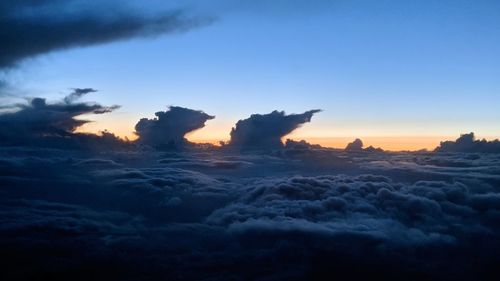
[(299, 212), (79, 206)]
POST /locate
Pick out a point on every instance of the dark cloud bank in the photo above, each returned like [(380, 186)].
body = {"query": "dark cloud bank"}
[(29, 28), (85, 207)]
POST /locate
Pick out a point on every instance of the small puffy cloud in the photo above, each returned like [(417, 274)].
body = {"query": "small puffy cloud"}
[(267, 130), (168, 128), (356, 145)]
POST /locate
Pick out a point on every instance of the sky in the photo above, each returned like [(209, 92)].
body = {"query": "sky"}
[(398, 74)]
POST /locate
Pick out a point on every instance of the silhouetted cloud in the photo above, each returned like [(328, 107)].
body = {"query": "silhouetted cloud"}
[(77, 93), (468, 143), (356, 145), (266, 130), (169, 127), (38, 120), (371, 148), (30, 28)]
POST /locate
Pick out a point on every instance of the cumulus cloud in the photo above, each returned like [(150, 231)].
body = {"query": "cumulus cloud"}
[(469, 143), (30, 28), (266, 130), (168, 128), (356, 145), (37, 120)]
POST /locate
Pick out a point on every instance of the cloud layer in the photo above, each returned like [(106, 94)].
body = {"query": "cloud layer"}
[(223, 215)]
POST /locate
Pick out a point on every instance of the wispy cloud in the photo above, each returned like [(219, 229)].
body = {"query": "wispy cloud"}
[(30, 28)]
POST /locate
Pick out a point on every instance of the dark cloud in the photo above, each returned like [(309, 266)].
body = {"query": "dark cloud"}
[(468, 143), (356, 145), (266, 130), (294, 212), (168, 128), (77, 93), (38, 121), (30, 28), (137, 214), (373, 149)]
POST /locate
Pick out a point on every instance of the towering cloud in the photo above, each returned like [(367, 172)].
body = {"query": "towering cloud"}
[(169, 127), (356, 145), (266, 130), (468, 143), (28, 123), (29, 28)]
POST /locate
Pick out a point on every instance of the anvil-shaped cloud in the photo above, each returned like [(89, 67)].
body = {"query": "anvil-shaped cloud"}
[(168, 129), (266, 130), (37, 120)]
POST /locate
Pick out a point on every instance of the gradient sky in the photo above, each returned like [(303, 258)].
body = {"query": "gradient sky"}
[(386, 70)]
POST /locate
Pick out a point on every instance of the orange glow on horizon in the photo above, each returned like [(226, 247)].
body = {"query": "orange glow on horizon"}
[(215, 132), (390, 143), (386, 143)]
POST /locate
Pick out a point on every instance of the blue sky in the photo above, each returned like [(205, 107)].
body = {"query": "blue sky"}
[(376, 68)]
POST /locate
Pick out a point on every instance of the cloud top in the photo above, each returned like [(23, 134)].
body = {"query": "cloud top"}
[(169, 127), (38, 119), (267, 130), (356, 145)]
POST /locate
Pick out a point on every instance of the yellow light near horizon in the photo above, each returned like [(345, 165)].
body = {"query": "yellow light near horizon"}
[(214, 132), (122, 127), (387, 143)]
